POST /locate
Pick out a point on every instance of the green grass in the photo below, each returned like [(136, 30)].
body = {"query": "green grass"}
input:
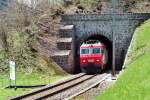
[(24, 80), (134, 84)]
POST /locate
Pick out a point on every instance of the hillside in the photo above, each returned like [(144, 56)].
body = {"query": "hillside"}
[(105, 6), (133, 84), (28, 35), (38, 31)]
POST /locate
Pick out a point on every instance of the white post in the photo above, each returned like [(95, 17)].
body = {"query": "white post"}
[(12, 66)]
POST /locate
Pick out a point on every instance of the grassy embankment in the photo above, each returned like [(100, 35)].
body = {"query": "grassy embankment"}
[(33, 79), (134, 84), (32, 69)]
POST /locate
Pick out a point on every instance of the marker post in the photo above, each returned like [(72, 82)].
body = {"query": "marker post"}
[(12, 66)]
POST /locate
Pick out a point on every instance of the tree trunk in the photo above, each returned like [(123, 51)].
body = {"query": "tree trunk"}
[(3, 40), (1, 47)]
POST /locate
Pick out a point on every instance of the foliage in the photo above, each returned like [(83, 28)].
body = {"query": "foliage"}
[(19, 25), (3, 61), (20, 52), (88, 3), (26, 57), (134, 83)]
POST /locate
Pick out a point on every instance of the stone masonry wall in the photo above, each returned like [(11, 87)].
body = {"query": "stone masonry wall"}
[(125, 24)]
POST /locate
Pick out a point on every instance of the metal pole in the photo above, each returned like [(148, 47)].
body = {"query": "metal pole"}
[(114, 4), (15, 80)]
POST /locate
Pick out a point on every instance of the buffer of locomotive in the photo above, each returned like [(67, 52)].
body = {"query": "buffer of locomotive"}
[(78, 28)]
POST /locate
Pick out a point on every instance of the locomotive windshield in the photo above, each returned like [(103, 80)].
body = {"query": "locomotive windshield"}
[(97, 51), (92, 51), (85, 51)]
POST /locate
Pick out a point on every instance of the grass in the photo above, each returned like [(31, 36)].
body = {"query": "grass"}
[(87, 3), (134, 84), (24, 80)]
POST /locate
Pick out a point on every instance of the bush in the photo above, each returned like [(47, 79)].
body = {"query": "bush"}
[(3, 61)]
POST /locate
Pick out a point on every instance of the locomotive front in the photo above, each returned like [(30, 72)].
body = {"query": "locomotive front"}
[(93, 57)]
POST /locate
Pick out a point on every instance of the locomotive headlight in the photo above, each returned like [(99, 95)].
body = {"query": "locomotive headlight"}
[(83, 61), (98, 60)]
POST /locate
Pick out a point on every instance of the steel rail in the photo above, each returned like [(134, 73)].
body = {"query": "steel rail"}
[(48, 87), (88, 88), (44, 96)]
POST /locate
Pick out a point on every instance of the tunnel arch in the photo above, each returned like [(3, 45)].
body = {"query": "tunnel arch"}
[(96, 36)]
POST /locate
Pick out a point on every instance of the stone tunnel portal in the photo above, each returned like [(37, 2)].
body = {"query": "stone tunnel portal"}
[(102, 39), (77, 25)]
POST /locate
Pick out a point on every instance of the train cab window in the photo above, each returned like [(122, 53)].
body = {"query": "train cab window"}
[(84, 51), (102, 51), (96, 51)]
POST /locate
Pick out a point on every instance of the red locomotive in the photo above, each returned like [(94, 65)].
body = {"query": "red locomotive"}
[(93, 56)]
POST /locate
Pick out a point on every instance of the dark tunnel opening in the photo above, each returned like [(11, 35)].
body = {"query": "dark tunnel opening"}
[(103, 40)]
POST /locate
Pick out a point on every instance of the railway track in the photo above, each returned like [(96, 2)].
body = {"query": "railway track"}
[(63, 90), (83, 92)]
